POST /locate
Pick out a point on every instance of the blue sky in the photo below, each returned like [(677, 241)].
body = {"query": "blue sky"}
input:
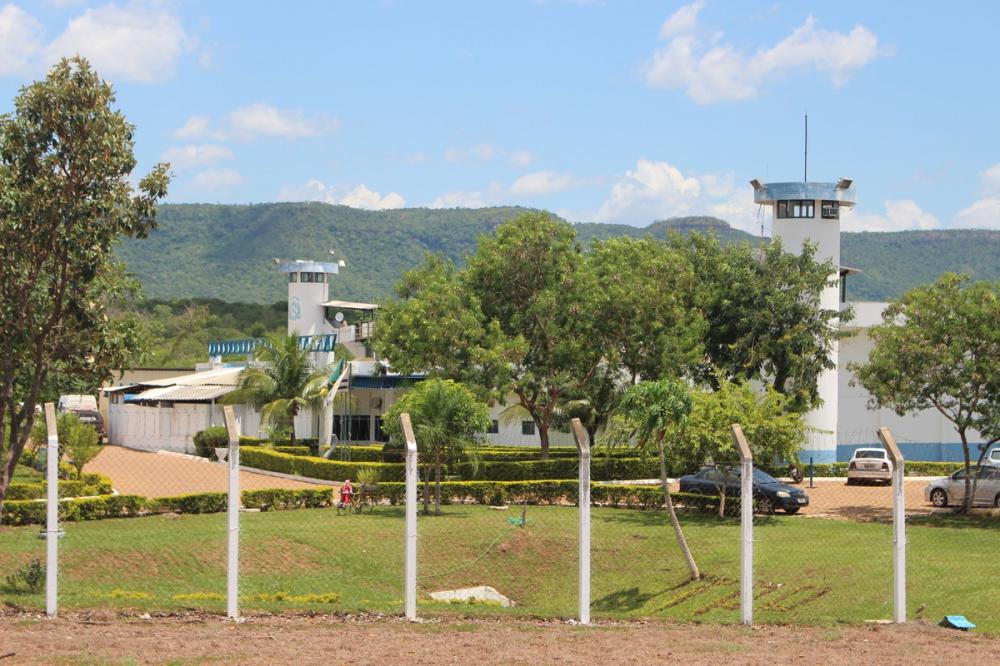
[(616, 111)]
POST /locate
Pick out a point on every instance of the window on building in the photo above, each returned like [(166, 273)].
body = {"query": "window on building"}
[(831, 210), (527, 427), (494, 428), (352, 429), (293, 277), (307, 277), (796, 208)]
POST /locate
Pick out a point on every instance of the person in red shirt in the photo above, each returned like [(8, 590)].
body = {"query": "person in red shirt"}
[(346, 495)]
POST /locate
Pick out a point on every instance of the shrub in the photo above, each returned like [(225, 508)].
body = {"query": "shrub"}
[(210, 439), (272, 499), (30, 577), (316, 468), (194, 503)]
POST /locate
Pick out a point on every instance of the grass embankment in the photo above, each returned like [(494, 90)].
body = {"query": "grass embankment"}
[(808, 570)]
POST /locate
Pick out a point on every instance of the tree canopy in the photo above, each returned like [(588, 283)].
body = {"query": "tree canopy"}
[(66, 157), (938, 347)]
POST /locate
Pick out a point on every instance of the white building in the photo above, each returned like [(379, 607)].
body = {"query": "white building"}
[(166, 413)]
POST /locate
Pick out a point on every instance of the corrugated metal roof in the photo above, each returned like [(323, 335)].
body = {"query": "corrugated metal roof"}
[(351, 305), (182, 394), (219, 377)]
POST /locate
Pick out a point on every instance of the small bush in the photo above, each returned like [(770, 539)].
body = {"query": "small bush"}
[(210, 439), (30, 577)]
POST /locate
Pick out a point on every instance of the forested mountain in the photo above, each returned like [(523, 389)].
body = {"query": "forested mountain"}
[(225, 251)]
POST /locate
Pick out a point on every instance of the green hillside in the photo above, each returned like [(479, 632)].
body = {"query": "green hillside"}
[(225, 251)]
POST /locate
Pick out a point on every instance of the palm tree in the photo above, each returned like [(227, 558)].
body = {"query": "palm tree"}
[(283, 384), (446, 418), (651, 409)]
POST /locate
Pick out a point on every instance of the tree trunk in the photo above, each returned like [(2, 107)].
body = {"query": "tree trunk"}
[(543, 438), (722, 495), (681, 541), (967, 501), (437, 487), (427, 492)]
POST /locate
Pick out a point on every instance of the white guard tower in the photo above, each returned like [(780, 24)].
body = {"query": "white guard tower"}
[(308, 290), (811, 212)]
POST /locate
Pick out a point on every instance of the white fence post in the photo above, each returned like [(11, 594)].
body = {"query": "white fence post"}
[(746, 525), (410, 575), (52, 513), (583, 589), (898, 526), (234, 503)]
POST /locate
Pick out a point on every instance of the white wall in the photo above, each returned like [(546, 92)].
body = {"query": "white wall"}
[(171, 428)]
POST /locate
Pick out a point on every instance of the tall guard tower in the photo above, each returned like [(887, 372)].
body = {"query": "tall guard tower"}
[(802, 212)]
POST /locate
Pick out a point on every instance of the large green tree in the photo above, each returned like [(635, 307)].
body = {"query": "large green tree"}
[(764, 318), (643, 302), (938, 347), (446, 419), (66, 158)]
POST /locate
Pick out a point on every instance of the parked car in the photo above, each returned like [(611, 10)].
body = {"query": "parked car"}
[(951, 489), (993, 457), (94, 418), (769, 493), (869, 465)]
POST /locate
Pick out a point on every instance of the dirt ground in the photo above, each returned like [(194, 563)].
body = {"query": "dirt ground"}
[(165, 474), (834, 498), (106, 638)]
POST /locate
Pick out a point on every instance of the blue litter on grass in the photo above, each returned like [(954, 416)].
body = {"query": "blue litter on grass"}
[(956, 622)]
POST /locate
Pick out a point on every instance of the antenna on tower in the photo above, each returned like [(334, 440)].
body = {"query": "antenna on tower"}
[(805, 156)]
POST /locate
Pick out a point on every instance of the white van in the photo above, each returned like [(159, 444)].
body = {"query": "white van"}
[(993, 457), (77, 403)]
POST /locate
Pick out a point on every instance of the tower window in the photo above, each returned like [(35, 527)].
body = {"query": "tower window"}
[(831, 210), (293, 277), (796, 208)]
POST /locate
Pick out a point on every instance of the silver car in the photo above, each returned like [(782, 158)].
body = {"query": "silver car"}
[(869, 465), (951, 489)]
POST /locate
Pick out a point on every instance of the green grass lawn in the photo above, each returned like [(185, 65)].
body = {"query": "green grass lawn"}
[(808, 570)]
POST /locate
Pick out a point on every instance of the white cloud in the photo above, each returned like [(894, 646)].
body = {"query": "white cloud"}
[(134, 43), (653, 190), (543, 182), (358, 197), (982, 214), (718, 72), (185, 157), (263, 119), (521, 158), (199, 127), (985, 212), (217, 179), (991, 180), (682, 21), (458, 200), (20, 40), (899, 215)]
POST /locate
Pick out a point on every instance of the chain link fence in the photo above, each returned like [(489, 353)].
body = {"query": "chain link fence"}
[(149, 531)]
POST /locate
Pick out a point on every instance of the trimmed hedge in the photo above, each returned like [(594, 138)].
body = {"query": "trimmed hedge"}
[(316, 468), (28, 512), (557, 492), (89, 485), (601, 469), (910, 468)]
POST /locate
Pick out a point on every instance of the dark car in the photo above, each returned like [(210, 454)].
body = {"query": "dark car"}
[(93, 418), (769, 493)]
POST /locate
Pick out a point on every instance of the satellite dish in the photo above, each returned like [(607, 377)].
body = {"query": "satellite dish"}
[(339, 317)]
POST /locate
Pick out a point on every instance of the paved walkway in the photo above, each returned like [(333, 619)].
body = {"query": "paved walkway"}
[(164, 474)]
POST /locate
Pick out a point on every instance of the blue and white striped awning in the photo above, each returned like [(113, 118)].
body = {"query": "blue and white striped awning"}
[(313, 343)]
